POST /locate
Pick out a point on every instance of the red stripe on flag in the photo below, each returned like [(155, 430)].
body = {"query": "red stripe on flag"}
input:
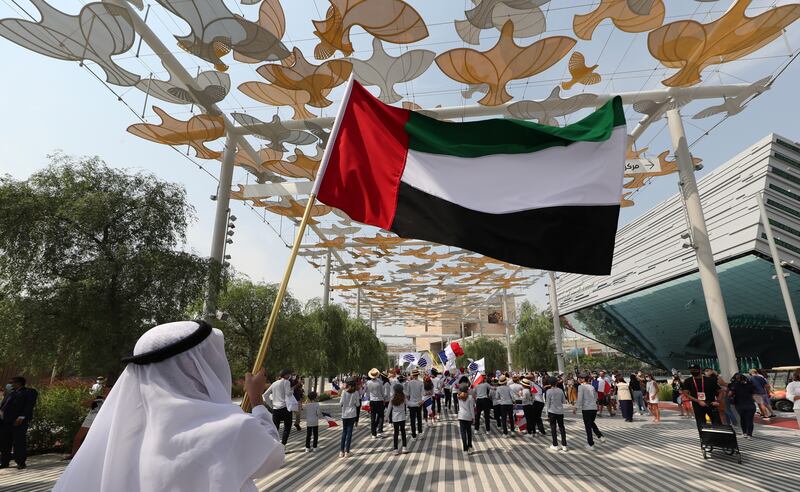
[(457, 349), (367, 160)]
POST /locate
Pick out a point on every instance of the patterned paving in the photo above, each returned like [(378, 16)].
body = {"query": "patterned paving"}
[(637, 456)]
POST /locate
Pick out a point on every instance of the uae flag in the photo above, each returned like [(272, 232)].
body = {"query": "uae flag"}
[(532, 195)]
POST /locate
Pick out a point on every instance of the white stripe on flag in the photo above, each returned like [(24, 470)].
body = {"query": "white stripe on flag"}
[(584, 173)]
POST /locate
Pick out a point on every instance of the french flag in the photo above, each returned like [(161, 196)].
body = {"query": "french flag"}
[(453, 350), (428, 404), (519, 418), (329, 419), (365, 404), (478, 380)]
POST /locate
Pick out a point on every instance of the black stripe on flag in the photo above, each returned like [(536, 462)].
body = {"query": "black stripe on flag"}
[(574, 239)]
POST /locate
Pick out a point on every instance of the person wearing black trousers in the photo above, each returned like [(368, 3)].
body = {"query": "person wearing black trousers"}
[(375, 392), (397, 417), (483, 394), (448, 392), (413, 390), (741, 390), (466, 414), (278, 393), (17, 411), (527, 407), (506, 401), (703, 392), (537, 392), (587, 404)]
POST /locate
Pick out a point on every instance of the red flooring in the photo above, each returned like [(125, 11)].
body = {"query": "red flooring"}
[(788, 423)]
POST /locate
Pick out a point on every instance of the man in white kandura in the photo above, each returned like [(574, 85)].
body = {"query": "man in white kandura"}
[(169, 424)]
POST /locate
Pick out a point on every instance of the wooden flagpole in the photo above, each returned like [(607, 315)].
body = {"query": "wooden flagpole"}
[(312, 198)]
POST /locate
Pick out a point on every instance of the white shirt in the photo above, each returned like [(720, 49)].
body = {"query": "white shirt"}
[(539, 395), (387, 391), (312, 413), (375, 389), (527, 397), (515, 388), (280, 391), (351, 403), (438, 385), (466, 409), (792, 390), (483, 390), (399, 412), (414, 392), (504, 397)]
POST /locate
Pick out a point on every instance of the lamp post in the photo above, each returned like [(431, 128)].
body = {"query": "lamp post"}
[(556, 324)]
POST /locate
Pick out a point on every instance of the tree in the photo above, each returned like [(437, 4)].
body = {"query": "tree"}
[(490, 349), (314, 340), (248, 306), (88, 263), (364, 350), (534, 346)]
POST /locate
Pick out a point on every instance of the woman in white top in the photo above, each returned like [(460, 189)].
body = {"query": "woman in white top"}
[(652, 397), (397, 417), (350, 401), (466, 414)]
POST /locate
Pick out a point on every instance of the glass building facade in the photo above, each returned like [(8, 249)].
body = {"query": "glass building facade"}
[(667, 324), (652, 305)]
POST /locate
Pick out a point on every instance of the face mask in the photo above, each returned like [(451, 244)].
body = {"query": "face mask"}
[(9, 387)]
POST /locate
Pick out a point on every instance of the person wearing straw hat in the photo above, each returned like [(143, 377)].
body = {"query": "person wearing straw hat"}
[(527, 406), (375, 392), (506, 401), (414, 388)]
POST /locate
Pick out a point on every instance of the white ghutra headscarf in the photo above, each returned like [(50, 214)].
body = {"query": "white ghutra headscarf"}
[(169, 425)]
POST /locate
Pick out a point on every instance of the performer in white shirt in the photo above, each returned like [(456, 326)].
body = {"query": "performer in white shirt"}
[(169, 423), (281, 395), (375, 392), (483, 395), (414, 390)]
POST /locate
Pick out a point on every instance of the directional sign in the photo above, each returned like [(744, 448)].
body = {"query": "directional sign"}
[(642, 165)]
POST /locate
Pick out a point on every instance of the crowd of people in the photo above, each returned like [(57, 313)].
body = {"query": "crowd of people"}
[(512, 404)]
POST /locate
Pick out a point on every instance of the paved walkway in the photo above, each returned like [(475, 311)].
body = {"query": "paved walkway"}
[(638, 456)]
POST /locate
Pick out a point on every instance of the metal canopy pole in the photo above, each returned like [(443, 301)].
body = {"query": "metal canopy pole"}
[(556, 324), (218, 236), (358, 303), (505, 324), (773, 249), (705, 257), (326, 286), (477, 110)]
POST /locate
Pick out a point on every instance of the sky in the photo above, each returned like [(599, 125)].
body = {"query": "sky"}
[(58, 106)]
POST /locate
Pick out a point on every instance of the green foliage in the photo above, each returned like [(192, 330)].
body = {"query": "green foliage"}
[(248, 306), (59, 412), (492, 349), (324, 397), (313, 340), (611, 362), (664, 392), (534, 346), (88, 263)]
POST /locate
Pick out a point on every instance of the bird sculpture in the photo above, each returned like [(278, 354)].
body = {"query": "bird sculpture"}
[(581, 74)]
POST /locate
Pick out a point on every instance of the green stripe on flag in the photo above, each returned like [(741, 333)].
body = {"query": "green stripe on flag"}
[(508, 136)]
